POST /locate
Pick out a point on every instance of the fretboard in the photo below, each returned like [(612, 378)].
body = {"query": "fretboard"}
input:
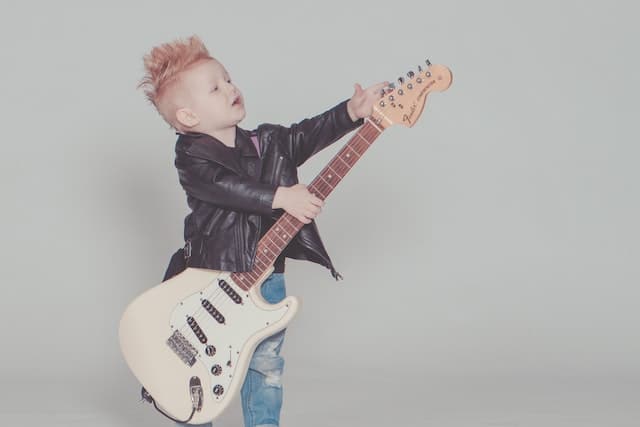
[(287, 226)]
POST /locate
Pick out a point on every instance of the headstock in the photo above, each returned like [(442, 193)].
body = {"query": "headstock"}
[(404, 103)]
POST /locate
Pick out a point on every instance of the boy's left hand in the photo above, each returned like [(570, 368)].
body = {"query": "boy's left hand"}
[(361, 103)]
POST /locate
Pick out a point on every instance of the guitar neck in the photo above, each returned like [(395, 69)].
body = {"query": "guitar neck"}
[(287, 226)]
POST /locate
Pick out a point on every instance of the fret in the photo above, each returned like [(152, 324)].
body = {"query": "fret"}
[(342, 160), (328, 183), (259, 260), (370, 122), (358, 155), (265, 250), (239, 279), (289, 218), (364, 139), (331, 179), (315, 188), (284, 237), (277, 236), (334, 172), (339, 167), (359, 147), (268, 238), (267, 246), (249, 274)]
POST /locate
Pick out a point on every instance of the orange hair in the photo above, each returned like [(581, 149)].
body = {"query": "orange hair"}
[(163, 65)]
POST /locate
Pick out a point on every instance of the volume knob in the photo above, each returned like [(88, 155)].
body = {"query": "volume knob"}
[(210, 350)]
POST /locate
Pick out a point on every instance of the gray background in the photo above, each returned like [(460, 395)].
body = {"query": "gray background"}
[(490, 253)]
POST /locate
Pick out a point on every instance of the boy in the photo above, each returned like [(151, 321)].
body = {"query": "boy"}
[(239, 182)]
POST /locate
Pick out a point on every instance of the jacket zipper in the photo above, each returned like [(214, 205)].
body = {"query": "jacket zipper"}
[(276, 170), (240, 244), (214, 218)]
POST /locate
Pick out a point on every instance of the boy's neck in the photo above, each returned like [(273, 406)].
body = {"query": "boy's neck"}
[(227, 136)]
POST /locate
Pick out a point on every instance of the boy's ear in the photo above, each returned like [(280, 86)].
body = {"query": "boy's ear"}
[(187, 117)]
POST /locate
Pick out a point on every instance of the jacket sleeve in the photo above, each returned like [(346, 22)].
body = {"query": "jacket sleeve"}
[(224, 188), (306, 138)]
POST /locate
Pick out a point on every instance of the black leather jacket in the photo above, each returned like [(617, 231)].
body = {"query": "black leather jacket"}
[(230, 190)]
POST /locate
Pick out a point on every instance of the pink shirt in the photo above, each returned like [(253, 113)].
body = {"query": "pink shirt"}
[(254, 138)]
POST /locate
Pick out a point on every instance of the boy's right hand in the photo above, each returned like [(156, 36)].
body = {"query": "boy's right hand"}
[(298, 201)]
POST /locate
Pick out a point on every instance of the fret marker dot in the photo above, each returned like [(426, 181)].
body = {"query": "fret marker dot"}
[(265, 251), (329, 176)]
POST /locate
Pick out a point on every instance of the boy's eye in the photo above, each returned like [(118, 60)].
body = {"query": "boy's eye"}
[(214, 89)]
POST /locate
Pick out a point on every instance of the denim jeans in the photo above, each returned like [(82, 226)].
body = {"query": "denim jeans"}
[(261, 393)]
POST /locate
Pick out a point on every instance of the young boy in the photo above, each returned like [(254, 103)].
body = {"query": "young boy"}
[(238, 182)]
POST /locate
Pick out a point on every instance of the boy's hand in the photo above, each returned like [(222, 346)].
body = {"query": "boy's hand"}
[(298, 201), (361, 103)]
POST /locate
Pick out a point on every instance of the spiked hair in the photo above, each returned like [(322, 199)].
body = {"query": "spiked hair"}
[(163, 65)]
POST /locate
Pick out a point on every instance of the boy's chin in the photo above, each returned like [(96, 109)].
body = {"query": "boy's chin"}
[(240, 116)]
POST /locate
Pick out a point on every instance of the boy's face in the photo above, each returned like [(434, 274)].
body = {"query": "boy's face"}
[(212, 101)]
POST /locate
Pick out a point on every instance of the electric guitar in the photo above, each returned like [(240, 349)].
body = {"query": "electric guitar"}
[(189, 340)]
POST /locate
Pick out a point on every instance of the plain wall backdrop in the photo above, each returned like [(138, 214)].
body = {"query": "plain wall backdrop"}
[(490, 253)]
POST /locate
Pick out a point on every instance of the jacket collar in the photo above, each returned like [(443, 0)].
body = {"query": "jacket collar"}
[(205, 146)]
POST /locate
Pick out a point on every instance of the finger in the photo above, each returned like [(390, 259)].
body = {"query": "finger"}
[(317, 201), (378, 86), (303, 219), (385, 87), (314, 210), (309, 213)]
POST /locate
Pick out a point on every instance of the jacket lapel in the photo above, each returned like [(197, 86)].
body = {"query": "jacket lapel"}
[(208, 147)]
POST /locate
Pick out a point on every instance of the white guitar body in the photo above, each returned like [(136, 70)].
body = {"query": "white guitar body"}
[(165, 351)]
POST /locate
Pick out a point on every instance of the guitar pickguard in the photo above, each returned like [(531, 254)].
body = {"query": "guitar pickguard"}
[(212, 325)]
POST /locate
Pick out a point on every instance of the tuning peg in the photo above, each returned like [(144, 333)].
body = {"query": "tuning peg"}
[(427, 62), (400, 80), (392, 85), (410, 74), (419, 68)]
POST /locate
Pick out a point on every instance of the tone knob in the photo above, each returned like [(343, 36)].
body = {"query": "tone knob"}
[(216, 370), (218, 390)]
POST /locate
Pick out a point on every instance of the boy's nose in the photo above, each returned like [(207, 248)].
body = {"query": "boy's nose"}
[(233, 90)]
